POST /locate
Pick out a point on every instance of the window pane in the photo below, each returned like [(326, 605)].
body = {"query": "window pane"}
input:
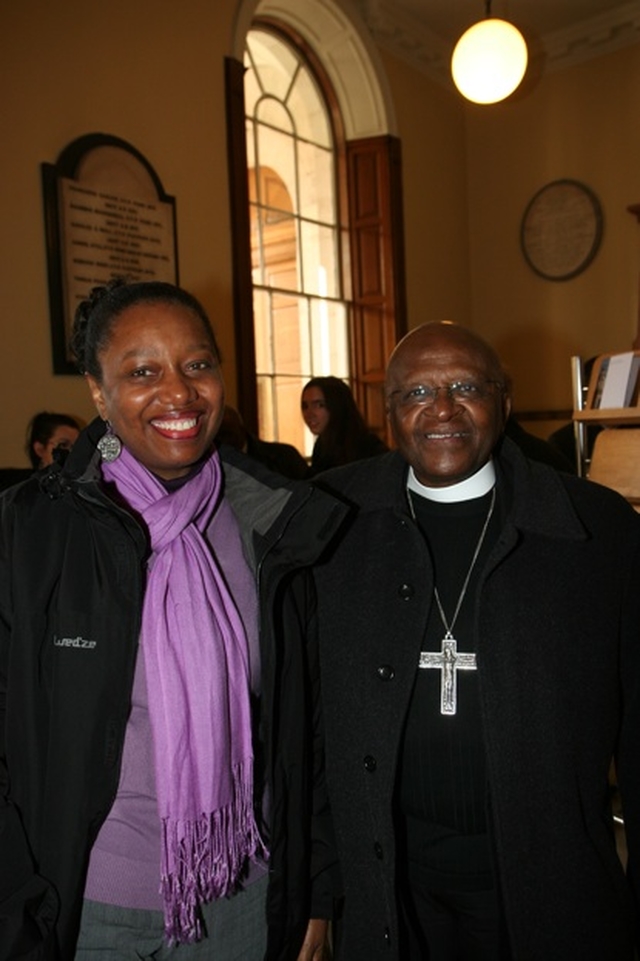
[(280, 417), (274, 248), (286, 320), (275, 63), (266, 407), (317, 189), (272, 112), (257, 262), (290, 426), (309, 110), (251, 150), (277, 151), (306, 365), (318, 246), (330, 339), (270, 191), (262, 331), (252, 90)]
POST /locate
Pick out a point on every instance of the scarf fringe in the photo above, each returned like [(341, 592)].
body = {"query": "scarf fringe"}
[(202, 860)]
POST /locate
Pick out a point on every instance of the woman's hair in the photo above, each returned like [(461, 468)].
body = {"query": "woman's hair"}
[(94, 317), (41, 429), (346, 437)]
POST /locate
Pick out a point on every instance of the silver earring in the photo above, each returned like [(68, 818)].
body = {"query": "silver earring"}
[(109, 445)]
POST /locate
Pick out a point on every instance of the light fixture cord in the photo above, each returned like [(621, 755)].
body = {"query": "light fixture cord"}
[(487, 9)]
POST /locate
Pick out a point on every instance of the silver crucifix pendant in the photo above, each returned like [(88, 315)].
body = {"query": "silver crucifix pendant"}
[(448, 661)]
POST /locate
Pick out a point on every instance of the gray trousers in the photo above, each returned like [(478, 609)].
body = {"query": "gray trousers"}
[(236, 931)]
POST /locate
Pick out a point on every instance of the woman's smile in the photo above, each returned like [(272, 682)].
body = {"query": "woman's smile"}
[(161, 387), (177, 427)]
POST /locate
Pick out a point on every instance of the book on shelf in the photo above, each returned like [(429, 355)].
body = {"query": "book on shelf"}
[(617, 384), (602, 373)]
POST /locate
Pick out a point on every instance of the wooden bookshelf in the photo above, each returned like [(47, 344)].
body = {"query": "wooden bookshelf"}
[(615, 458), (610, 417), (606, 416)]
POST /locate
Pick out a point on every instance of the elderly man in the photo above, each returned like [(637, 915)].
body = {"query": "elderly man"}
[(479, 633)]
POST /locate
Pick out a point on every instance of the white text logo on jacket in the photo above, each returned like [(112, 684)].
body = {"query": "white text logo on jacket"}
[(81, 642)]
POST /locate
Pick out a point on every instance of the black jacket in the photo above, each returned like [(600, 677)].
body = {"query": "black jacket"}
[(557, 615), (71, 587)]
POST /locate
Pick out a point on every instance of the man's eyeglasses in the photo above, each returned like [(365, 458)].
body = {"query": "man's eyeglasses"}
[(460, 392)]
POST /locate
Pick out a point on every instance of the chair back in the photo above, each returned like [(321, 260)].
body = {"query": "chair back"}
[(615, 461)]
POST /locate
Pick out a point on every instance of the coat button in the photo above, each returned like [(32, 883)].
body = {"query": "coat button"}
[(377, 847), (406, 591), (370, 764), (386, 672)]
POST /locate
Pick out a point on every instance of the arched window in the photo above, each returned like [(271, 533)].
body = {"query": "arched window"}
[(316, 212), (301, 313)]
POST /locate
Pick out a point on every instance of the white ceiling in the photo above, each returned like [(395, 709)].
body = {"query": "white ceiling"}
[(559, 32)]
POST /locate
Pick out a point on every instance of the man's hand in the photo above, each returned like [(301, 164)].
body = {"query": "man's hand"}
[(316, 941)]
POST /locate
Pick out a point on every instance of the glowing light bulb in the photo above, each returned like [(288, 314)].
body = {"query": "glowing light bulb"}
[(489, 61)]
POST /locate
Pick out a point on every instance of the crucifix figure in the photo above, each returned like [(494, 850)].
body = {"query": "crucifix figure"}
[(448, 661)]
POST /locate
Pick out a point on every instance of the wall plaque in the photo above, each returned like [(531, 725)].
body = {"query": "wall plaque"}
[(561, 230), (106, 216)]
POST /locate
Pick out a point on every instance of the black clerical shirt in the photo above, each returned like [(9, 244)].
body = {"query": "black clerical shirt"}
[(442, 779)]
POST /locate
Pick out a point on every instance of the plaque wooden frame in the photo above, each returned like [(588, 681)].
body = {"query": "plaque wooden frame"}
[(102, 166)]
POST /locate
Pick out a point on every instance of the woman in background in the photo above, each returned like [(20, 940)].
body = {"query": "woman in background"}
[(48, 432), (330, 412), (132, 632)]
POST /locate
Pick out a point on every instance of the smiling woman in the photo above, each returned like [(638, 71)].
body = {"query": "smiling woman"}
[(147, 628), (152, 365), (161, 388)]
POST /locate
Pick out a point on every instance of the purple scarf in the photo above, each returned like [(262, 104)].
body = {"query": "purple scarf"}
[(197, 665)]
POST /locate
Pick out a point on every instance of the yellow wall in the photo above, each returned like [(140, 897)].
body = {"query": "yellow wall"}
[(152, 74), (468, 181), (579, 123), (431, 126)]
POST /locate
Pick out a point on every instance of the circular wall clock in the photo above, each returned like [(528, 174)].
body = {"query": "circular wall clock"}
[(561, 229)]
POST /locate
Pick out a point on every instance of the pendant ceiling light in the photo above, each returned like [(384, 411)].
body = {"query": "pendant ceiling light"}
[(489, 60)]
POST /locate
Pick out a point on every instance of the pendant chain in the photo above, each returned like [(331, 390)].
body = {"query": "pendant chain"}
[(449, 627)]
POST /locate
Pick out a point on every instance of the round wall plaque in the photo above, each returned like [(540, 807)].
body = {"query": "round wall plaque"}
[(561, 229)]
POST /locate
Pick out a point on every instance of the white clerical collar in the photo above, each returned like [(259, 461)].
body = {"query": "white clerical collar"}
[(477, 485)]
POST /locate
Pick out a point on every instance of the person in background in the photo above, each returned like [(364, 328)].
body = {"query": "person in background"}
[(48, 435), (331, 414), (48, 432), (282, 458), (132, 633), (535, 447), (563, 438), (532, 446), (479, 645)]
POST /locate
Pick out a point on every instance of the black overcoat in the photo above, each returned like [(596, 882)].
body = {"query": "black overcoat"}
[(557, 615), (71, 587)]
